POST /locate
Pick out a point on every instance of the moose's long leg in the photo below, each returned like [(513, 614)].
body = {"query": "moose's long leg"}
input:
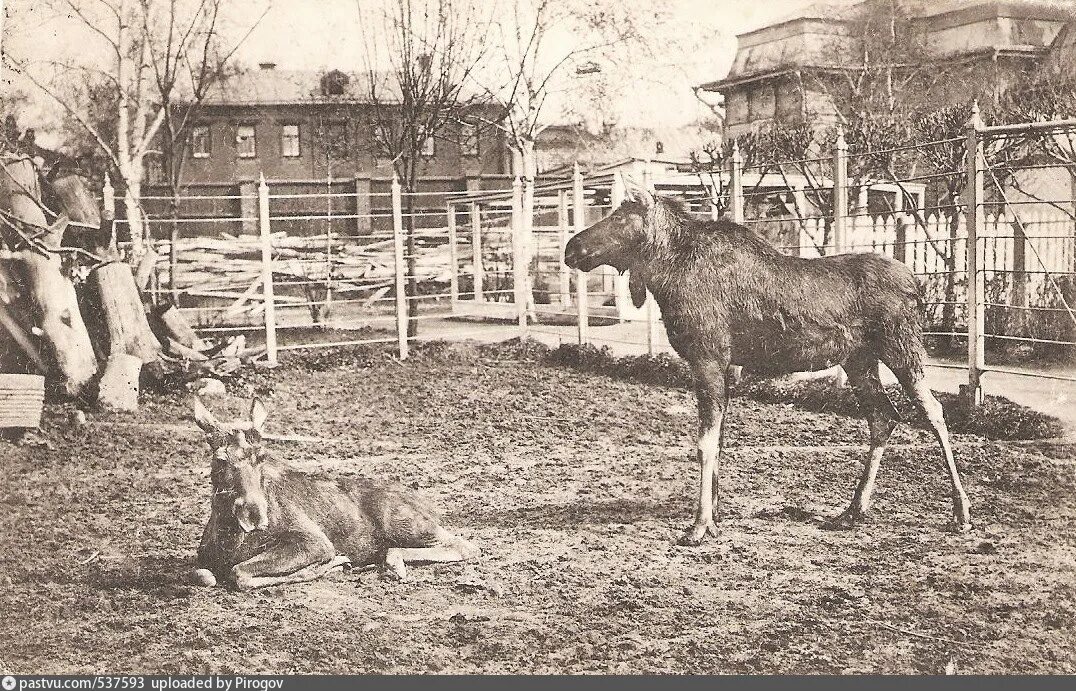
[(881, 419), (286, 561), (916, 387), (446, 547), (307, 573), (713, 400)]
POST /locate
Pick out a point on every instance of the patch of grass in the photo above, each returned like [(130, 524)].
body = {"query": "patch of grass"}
[(996, 418)]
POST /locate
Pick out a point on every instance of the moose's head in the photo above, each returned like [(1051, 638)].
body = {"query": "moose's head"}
[(238, 464), (617, 239), (621, 239)]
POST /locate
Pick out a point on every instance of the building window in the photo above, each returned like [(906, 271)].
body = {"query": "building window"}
[(428, 147), (289, 141), (200, 141), (469, 144), (245, 145)]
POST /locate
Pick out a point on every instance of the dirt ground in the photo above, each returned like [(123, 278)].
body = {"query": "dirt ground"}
[(575, 486)]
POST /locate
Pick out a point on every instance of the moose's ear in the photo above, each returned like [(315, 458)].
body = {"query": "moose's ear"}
[(637, 288), (205, 419), (638, 192), (258, 415)]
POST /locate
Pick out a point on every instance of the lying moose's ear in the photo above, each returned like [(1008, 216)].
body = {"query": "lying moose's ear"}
[(638, 192), (637, 288), (205, 419), (258, 415)]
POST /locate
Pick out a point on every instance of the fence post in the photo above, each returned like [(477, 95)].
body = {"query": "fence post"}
[(1019, 264), (650, 305), (840, 192), (840, 212), (579, 206), (267, 271), (477, 271), (400, 268), (519, 268), (976, 297), (613, 282), (564, 271), (453, 260), (736, 201)]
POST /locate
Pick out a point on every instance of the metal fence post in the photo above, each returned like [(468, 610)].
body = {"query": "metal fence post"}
[(519, 267), (453, 260), (976, 293), (736, 201), (840, 192), (840, 211), (562, 227), (611, 282), (400, 268), (477, 271), (267, 272), (651, 306), (579, 207)]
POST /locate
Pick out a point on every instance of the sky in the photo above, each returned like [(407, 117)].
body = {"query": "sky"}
[(320, 34), (293, 36)]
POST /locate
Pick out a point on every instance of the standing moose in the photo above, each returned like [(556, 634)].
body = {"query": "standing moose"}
[(729, 298)]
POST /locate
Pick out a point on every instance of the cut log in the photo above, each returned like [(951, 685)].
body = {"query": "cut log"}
[(56, 309), (118, 388), (176, 327), (49, 295), (177, 348), (122, 311)]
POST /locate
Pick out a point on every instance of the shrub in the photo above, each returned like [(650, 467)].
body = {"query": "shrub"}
[(996, 418)]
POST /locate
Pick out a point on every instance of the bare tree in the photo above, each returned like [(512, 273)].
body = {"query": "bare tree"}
[(1048, 94), (187, 57), (531, 62), (420, 56), (162, 59)]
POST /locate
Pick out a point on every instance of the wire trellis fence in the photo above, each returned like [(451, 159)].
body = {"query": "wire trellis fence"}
[(997, 264)]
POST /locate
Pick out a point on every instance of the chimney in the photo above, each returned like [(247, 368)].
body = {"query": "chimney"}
[(267, 65)]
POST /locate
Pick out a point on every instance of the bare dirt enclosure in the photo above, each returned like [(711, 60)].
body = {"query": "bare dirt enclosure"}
[(574, 486)]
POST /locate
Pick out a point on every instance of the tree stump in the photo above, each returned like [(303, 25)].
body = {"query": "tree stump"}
[(118, 388), (123, 313), (56, 312)]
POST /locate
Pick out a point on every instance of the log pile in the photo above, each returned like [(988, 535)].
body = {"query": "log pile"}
[(216, 267), (82, 318)]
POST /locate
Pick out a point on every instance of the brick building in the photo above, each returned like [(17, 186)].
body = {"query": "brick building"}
[(312, 133)]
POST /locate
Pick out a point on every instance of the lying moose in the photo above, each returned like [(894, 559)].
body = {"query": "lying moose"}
[(271, 524)]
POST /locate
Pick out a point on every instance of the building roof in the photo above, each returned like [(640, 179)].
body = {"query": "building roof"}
[(815, 36), (560, 145), (272, 86)]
